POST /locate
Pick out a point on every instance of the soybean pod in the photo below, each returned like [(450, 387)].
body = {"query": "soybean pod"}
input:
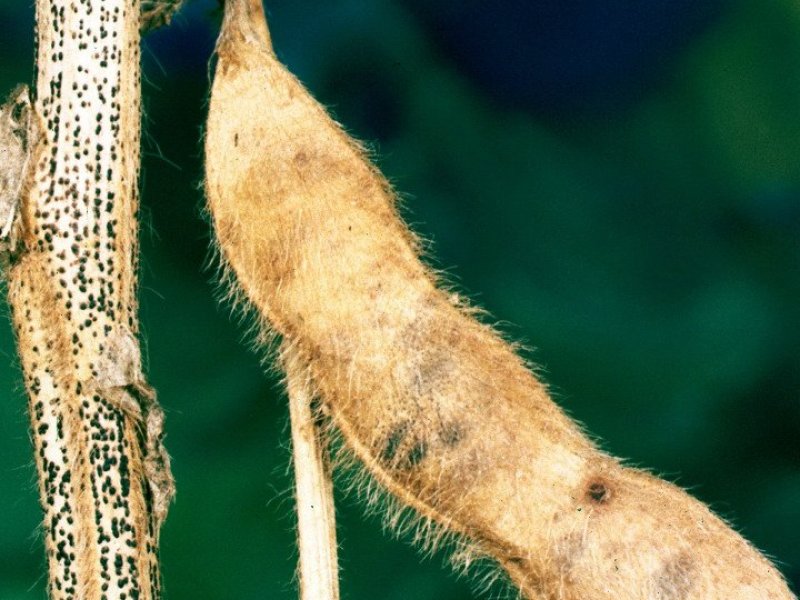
[(434, 404)]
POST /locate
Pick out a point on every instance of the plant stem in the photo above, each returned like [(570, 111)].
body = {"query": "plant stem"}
[(316, 519), (104, 478)]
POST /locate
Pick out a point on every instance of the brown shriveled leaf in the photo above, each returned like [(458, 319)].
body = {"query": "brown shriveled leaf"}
[(157, 13), (434, 404)]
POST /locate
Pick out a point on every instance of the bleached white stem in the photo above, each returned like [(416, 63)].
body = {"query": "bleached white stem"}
[(316, 520), (104, 479)]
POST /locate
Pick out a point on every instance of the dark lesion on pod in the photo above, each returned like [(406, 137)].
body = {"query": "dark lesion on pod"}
[(452, 434), (598, 491), (404, 447), (397, 434), (416, 455)]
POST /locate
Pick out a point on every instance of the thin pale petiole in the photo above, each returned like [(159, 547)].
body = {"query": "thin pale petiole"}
[(316, 519)]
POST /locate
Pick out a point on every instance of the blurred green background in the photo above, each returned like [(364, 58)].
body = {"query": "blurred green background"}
[(616, 181)]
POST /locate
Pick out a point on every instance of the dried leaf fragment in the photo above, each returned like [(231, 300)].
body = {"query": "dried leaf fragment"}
[(17, 138)]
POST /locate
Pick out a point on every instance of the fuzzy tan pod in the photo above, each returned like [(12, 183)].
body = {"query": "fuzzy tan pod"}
[(437, 407)]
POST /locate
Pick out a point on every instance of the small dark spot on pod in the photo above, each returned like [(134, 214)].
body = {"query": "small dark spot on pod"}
[(598, 492), (394, 440), (452, 434), (417, 454)]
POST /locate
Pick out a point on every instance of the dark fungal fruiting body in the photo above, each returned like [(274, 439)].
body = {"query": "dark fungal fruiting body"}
[(72, 291), (434, 404)]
